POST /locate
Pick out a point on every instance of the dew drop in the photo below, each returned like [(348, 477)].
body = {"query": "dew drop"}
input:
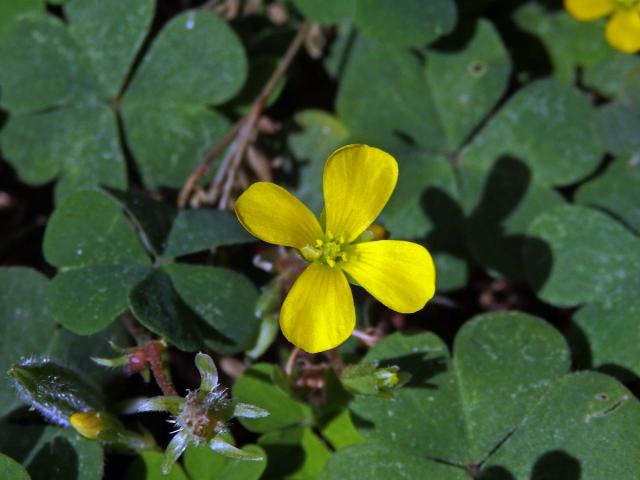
[(191, 21)]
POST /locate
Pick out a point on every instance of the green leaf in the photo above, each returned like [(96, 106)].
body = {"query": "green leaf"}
[(223, 299), (572, 47), (501, 204), (617, 124), (466, 83), (110, 32), (386, 462), (549, 126), (54, 391), (199, 230), (448, 408), (25, 325), (605, 335), (52, 453), (295, 453), (147, 466), (328, 11), (170, 140), (407, 23), (398, 102), (616, 190), (157, 306), (152, 218), (10, 469), (55, 74), (436, 105), (79, 143), (321, 133), (587, 254), (578, 409), (205, 464), (340, 431), (196, 37), (89, 229), (27, 330), (256, 386), (86, 300)]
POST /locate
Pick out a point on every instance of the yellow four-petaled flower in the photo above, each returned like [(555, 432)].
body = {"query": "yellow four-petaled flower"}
[(623, 29), (318, 313)]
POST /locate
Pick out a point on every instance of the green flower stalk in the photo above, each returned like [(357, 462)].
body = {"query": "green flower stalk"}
[(200, 418)]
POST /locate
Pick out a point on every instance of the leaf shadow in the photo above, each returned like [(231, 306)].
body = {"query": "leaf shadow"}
[(553, 465), (505, 187)]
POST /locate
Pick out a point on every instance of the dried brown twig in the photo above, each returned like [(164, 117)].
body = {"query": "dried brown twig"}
[(239, 138)]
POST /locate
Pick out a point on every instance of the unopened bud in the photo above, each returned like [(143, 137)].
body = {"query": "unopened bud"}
[(88, 424)]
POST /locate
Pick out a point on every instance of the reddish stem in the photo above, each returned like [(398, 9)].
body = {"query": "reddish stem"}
[(153, 351)]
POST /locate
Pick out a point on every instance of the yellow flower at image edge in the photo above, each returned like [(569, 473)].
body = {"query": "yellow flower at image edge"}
[(318, 313), (623, 29)]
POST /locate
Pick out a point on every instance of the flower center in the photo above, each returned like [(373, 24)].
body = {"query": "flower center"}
[(328, 250), (628, 4)]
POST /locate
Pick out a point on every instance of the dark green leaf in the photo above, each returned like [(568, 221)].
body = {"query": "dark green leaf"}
[(56, 72), (25, 325), (605, 333), (340, 432), (618, 123), (147, 466), (157, 306), (153, 219), (467, 82), (204, 464), (110, 33), (51, 453), (397, 104), (86, 300), (436, 105), (224, 299), (448, 409), (198, 230), (549, 126), (196, 37), (388, 463), (586, 255), (12, 470), (170, 140), (257, 387), (294, 453), (616, 190), (556, 439), (89, 229), (406, 22), (328, 11), (79, 143)]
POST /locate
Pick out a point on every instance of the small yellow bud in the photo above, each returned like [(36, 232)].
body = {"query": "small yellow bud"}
[(88, 424)]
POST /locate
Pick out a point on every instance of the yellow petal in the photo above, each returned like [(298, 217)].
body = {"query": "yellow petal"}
[(401, 275), (358, 180), (623, 31), (272, 214), (318, 313), (589, 9)]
